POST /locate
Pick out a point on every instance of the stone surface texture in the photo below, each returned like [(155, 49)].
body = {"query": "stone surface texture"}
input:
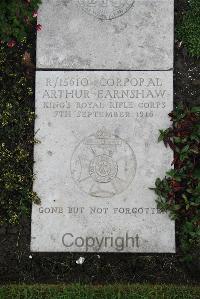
[(97, 158), (106, 34)]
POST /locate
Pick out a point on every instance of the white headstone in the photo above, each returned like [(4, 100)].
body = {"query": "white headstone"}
[(106, 34), (97, 159)]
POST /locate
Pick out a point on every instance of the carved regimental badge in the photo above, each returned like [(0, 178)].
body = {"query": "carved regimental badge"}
[(106, 9), (103, 165)]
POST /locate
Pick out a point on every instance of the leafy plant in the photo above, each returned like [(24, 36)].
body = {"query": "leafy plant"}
[(16, 133), (16, 19), (189, 28), (179, 191)]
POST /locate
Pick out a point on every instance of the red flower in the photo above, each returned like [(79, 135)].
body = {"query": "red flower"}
[(11, 43), (38, 27), (35, 14), (26, 19), (176, 186)]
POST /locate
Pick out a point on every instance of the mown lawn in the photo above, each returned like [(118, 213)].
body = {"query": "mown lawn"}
[(118, 291)]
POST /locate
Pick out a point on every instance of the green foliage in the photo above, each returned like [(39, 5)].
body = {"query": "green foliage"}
[(179, 191), (16, 109), (16, 18), (117, 291), (16, 136), (189, 29)]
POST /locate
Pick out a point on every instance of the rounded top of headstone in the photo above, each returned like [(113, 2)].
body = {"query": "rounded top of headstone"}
[(106, 9)]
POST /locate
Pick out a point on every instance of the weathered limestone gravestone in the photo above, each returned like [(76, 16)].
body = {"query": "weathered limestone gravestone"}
[(102, 34), (104, 88)]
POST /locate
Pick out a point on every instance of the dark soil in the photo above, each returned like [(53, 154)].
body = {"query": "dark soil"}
[(18, 264)]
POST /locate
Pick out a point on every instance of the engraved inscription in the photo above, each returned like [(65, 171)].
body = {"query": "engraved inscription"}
[(108, 97), (103, 164), (106, 9), (103, 169)]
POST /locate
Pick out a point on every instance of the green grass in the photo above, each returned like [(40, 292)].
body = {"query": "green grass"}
[(76, 291)]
